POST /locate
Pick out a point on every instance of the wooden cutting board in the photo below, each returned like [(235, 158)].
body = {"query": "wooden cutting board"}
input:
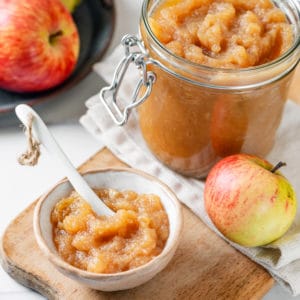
[(204, 266)]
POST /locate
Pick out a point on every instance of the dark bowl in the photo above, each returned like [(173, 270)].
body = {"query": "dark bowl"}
[(95, 22)]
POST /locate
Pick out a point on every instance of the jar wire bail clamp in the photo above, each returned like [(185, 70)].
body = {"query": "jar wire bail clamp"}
[(135, 53)]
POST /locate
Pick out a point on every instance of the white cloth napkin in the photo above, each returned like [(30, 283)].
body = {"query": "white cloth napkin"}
[(281, 258)]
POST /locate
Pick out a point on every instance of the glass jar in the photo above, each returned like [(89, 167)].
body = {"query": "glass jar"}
[(196, 114)]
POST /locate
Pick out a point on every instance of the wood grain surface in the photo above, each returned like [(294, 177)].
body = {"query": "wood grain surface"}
[(204, 266)]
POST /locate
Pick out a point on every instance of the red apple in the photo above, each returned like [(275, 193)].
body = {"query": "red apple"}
[(39, 44), (248, 200)]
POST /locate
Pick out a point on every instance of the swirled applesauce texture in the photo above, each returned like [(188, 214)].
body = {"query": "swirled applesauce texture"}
[(223, 33), (134, 235)]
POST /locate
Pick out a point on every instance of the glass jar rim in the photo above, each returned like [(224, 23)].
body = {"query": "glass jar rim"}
[(277, 61)]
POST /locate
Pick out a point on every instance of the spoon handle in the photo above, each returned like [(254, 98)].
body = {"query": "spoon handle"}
[(45, 137)]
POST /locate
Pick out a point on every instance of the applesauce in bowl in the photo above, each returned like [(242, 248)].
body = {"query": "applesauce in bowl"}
[(110, 253), (133, 236), (222, 77)]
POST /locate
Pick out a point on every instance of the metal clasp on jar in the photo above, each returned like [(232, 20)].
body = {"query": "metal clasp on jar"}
[(135, 53)]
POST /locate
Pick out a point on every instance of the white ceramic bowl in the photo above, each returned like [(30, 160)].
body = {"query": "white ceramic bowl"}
[(120, 179)]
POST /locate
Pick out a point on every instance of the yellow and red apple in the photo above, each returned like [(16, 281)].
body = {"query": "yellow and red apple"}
[(248, 200), (71, 4), (39, 44)]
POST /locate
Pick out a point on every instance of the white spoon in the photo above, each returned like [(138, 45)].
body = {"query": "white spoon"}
[(43, 135)]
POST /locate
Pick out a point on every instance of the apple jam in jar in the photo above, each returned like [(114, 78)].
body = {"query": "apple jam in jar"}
[(133, 236), (223, 69)]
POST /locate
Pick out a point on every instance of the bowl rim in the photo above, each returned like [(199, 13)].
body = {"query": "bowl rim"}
[(59, 262)]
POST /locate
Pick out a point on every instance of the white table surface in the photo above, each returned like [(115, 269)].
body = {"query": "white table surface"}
[(21, 185)]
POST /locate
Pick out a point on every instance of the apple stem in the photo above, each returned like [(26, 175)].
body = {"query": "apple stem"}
[(54, 36), (278, 166)]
